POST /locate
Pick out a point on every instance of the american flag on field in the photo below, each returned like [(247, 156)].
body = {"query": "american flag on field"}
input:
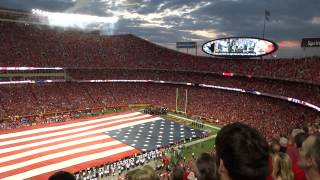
[(36, 153), (155, 134)]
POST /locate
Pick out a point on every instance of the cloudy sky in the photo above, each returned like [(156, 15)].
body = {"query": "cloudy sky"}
[(168, 21)]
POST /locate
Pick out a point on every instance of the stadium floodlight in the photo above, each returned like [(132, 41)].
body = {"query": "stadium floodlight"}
[(68, 20)]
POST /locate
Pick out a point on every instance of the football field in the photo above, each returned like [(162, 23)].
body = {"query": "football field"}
[(38, 151)]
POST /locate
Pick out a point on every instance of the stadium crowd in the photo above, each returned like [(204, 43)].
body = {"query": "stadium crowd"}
[(36, 45), (268, 115), (303, 91), (292, 156)]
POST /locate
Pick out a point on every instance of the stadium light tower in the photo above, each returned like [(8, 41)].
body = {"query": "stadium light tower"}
[(266, 18)]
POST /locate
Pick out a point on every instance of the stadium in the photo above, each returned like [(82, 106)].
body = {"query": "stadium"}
[(98, 106)]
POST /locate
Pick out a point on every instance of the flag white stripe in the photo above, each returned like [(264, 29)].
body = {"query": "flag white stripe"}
[(83, 134), (68, 163), (57, 155), (46, 129), (53, 147), (46, 135)]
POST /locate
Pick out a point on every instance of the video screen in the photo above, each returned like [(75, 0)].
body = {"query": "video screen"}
[(239, 47)]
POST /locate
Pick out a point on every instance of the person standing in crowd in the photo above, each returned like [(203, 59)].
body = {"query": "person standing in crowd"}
[(309, 157), (282, 169), (62, 175), (150, 172), (242, 153), (283, 144), (144, 173), (292, 151), (297, 171), (274, 150), (206, 167), (177, 173)]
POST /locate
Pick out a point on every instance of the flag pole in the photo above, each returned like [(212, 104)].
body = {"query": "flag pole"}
[(264, 25), (177, 97), (186, 102)]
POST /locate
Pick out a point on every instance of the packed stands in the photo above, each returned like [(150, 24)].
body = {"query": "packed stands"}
[(266, 114), (303, 91), (37, 45)]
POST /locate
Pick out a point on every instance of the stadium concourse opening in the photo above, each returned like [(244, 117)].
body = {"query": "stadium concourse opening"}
[(101, 105)]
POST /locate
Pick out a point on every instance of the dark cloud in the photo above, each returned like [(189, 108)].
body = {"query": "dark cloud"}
[(289, 18), (159, 35)]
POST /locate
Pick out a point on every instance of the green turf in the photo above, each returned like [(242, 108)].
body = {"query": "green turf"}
[(199, 148)]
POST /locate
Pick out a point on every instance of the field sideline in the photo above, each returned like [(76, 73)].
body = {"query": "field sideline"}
[(199, 146)]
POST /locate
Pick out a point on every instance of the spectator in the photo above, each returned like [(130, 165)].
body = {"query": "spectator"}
[(242, 153), (150, 172), (146, 173), (62, 175), (292, 151), (282, 169), (299, 138), (309, 157), (206, 167), (131, 175), (297, 171), (283, 144), (177, 173), (275, 148)]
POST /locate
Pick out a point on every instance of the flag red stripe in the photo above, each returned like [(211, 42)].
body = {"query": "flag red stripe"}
[(56, 160), (9, 131), (85, 165), (23, 159), (68, 128), (49, 144)]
